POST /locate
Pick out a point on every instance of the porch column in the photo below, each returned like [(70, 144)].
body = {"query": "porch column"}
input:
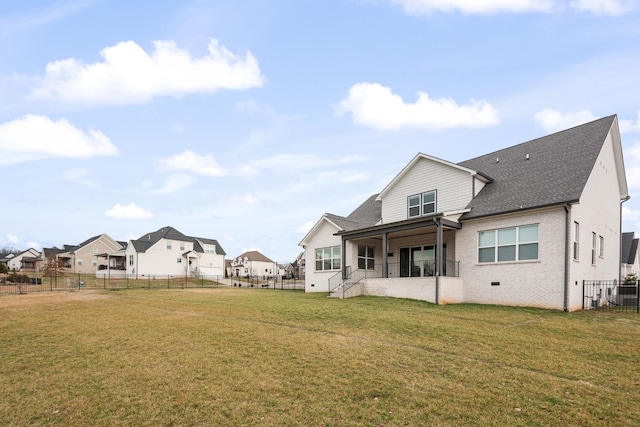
[(385, 265), (438, 256), (343, 254)]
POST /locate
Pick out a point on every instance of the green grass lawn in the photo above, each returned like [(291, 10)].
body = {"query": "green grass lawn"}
[(264, 357)]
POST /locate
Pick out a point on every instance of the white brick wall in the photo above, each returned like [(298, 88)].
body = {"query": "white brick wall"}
[(527, 283)]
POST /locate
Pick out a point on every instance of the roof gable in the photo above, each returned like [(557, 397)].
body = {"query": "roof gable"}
[(254, 256), (417, 159)]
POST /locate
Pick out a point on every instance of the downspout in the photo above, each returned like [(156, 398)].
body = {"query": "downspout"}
[(620, 238), (567, 254)]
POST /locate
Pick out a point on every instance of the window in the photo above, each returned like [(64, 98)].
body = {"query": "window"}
[(95, 249), (593, 248), (79, 261), (209, 249), (328, 258), (601, 247), (508, 244), (414, 206), (366, 257), (168, 244), (130, 259), (94, 261), (181, 246), (576, 241), (421, 204)]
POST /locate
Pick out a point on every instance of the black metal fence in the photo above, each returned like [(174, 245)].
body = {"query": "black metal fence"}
[(17, 283), (610, 295), (265, 282), (33, 282)]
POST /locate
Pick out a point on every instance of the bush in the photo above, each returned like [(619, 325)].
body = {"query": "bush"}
[(631, 279), (18, 278)]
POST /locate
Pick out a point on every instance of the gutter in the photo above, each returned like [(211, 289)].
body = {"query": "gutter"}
[(620, 236), (567, 254)]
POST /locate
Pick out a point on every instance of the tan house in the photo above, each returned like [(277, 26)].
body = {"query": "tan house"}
[(85, 257)]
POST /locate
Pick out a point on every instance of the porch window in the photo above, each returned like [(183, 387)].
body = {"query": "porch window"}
[(508, 244), (328, 258), (366, 257), (421, 204)]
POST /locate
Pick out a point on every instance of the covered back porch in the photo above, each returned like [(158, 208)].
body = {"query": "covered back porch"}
[(409, 259)]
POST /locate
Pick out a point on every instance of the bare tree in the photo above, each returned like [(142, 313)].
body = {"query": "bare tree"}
[(53, 268)]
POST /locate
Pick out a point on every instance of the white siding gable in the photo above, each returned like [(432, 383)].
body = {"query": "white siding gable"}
[(454, 187)]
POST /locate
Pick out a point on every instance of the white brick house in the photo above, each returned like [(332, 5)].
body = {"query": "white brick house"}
[(520, 226), (169, 252)]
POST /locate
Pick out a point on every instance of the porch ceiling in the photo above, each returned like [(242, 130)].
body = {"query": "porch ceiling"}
[(402, 228)]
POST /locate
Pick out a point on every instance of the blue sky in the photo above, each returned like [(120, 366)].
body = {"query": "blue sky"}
[(245, 121)]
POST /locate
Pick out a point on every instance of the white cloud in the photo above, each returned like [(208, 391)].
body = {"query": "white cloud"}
[(35, 245), (629, 215), (627, 126), (192, 162), (603, 7), (303, 161), (374, 105), (129, 75), (417, 7), (128, 212), (12, 238), (486, 7), (173, 184), (34, 137), (553, 120)]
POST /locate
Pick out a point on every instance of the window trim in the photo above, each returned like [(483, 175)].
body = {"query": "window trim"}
[(576, 241), (420, 197), (517, 244), (333, 258), (601, 248)]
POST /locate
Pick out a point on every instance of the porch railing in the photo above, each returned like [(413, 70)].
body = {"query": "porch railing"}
[(417, 269), (338, 278)]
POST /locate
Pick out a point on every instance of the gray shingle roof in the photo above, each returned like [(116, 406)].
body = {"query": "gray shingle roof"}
[(255, 256), (629, 247), (556, 172), (366, 215), (149, 239)]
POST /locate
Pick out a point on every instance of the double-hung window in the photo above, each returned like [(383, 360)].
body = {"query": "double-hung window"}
[(329, 258), (421, 204), (594, 242), (508, 244), (366, 257)]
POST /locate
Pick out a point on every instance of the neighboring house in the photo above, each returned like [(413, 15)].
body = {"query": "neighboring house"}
[(295, 270), (169, 252), (630, 261), (26, 261), (85, 257), (253, 264), (520, 226)]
